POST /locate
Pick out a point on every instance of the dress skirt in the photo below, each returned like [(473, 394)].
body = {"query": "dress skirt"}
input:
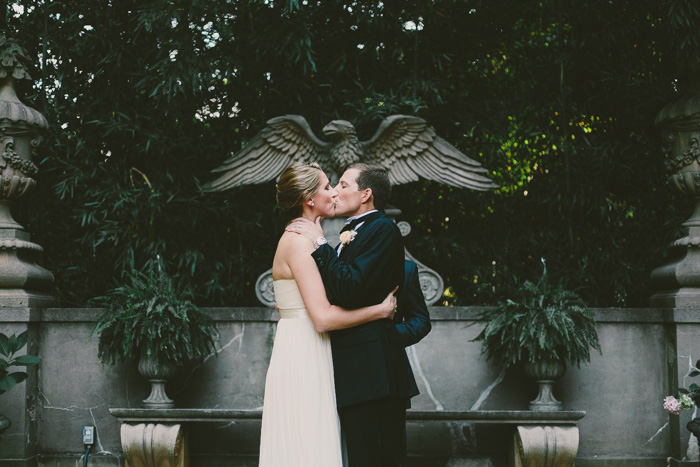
[(300, 425)]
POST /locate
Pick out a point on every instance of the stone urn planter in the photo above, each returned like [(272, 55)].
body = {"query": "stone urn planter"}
[(4, 424), (151, 320), (545, 373), (158, 374), (693, 426), (543, 326)]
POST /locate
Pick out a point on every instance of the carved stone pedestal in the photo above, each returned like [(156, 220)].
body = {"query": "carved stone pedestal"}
[(154, 445), (551, 446)]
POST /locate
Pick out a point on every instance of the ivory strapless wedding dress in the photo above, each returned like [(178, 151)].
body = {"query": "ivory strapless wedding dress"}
[(300, 425)]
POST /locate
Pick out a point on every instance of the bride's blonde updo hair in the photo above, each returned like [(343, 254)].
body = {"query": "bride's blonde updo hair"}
[(296, 185)]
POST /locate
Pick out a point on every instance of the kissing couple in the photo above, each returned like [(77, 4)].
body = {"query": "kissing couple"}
[(339, 381)]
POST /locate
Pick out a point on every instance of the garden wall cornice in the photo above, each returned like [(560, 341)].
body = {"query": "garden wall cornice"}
[(437, 313)]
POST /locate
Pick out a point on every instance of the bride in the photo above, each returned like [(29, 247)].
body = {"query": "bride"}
[(300, 425)]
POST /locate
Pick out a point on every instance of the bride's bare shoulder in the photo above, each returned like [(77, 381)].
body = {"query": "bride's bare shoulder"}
[(293, 243), (291, 249)]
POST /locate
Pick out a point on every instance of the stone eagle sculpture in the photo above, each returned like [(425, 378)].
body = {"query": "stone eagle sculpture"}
[(404, 145)]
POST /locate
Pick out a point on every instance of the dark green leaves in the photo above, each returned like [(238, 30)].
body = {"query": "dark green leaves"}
[(542, 321), (152, 314), (8, 381), (9, 346), (556, 99)]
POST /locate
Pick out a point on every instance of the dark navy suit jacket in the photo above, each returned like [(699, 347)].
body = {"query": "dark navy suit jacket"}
[(369, 360)]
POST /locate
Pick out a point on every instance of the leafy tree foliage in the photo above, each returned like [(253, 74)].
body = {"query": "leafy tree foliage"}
[(556, 98)]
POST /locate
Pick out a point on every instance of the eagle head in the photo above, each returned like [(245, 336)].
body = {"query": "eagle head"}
[(346, 149), (342, 128)]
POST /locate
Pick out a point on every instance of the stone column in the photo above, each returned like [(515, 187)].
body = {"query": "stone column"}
[(677, 283), (23, 281)]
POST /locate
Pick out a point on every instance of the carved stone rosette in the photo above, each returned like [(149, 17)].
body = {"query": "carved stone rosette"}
[(23, 282), (431, 282)]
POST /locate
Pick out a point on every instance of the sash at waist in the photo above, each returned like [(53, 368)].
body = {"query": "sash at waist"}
[(293, 314)]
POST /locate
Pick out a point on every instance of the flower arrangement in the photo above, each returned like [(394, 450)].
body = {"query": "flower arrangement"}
[(688, 397), (347, 236), (674, 406)]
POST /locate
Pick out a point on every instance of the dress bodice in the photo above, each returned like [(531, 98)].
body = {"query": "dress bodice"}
[(288, 299)]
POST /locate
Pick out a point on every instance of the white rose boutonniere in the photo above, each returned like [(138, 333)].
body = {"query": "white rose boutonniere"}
[(347, 237)]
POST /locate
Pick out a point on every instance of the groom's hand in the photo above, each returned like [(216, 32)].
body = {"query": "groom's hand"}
[(306, 228)]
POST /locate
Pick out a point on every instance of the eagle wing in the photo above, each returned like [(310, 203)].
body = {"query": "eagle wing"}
[(285, 140), (409, 149)]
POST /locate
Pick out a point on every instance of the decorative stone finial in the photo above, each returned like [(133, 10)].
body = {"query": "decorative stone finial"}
[(23, 281), (677, 283), (13, 59)]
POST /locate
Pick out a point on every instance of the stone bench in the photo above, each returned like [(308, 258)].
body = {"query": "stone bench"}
[(158, 437)]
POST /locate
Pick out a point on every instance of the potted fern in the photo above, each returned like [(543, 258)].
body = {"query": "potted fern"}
[(543, 326), (9, 347), (154, 322)]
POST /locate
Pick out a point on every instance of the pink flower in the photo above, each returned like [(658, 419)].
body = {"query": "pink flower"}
[(347, 236), (672, 405)]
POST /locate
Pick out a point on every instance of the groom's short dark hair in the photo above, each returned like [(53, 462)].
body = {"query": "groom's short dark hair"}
[(375, 177)]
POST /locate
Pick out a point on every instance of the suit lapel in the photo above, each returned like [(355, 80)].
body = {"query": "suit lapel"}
[(347, 251)]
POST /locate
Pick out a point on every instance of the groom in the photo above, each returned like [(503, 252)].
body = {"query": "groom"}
[(373, 378)]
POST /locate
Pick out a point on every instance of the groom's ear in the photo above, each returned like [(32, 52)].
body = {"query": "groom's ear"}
[(367, 195)]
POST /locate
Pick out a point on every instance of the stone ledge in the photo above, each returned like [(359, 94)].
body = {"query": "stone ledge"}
[(467, 314), (514, 417), (679, 463)]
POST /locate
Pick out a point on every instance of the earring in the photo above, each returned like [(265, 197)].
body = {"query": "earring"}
[(311, 203)]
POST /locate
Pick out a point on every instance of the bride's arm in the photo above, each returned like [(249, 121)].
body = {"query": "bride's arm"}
[(327, 317)]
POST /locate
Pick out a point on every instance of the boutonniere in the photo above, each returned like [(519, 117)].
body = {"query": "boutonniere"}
[(347, 236)]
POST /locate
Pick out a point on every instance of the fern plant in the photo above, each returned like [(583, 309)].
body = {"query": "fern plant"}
[(542, 321), (150, 315)]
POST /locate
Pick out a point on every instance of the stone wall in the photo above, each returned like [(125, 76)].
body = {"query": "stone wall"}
[(646, 353)]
